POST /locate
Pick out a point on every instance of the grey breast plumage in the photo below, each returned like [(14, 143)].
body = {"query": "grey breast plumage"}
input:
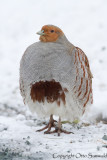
[(44, 62)]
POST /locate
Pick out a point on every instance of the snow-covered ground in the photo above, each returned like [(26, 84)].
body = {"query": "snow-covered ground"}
[(84, 23)]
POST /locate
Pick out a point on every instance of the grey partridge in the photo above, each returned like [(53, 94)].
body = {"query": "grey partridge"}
[(55, 78)]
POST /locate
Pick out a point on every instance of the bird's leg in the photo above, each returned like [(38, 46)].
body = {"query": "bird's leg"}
[(59, 129), (49, 125), (59, 126)]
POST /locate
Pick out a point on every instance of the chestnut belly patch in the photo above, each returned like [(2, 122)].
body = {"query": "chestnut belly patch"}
[(50, 91)]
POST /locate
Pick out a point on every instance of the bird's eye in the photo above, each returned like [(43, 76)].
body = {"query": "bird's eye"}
[(52, 31)]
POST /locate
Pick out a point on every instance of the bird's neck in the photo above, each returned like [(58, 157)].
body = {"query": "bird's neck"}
[(63, 40)]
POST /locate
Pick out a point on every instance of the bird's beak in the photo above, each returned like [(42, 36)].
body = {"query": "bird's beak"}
[(41, 33)]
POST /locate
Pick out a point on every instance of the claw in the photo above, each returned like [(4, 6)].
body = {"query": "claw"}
[(49, 125), (58, 128)]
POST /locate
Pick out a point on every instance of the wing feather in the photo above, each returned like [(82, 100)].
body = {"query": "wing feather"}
[(83, 78)]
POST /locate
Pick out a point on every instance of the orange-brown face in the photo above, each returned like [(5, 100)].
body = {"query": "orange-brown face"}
[(49, 33)]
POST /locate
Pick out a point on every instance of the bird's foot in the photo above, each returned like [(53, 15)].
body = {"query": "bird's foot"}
[(59, 130), (49, 125)]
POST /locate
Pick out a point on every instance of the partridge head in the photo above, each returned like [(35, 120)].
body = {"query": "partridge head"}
[(50, 33)]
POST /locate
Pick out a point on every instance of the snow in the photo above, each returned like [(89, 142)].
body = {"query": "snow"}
[(84, 23)]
